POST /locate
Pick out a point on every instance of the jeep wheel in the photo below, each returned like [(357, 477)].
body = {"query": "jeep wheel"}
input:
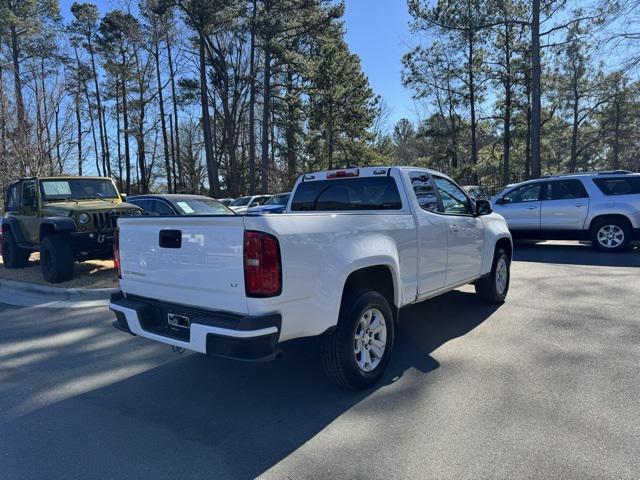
[(12, 255), (56, 258), (357, 353)]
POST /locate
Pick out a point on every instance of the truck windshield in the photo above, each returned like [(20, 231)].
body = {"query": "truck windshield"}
[(367, 193), (77, 189)]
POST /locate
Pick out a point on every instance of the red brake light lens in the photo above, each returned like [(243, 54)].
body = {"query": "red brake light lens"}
[(353, 172), (262, 265), (116, 252)]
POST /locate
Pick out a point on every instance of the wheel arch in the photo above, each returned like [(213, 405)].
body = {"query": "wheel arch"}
[(505, 243), (380, 278), (611, 217)]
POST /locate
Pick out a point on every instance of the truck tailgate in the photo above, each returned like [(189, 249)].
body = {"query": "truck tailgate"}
[(200, 262)]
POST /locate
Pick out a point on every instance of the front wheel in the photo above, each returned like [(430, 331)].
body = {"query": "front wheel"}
[(494, 287), (56, 258), (357, 353)]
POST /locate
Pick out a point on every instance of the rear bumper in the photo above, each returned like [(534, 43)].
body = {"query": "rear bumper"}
[(248, 338)]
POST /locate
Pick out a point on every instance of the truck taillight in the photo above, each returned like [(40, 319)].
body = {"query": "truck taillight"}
[(262, 265), (116, 252)]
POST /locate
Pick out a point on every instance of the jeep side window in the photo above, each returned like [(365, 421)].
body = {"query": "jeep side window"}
[(13, 198), (29, 194)]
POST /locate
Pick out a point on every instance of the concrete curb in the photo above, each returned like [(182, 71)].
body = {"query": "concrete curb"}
[(55, 293)]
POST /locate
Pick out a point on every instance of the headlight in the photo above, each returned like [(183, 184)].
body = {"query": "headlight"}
[(83, 218), (137, 212)]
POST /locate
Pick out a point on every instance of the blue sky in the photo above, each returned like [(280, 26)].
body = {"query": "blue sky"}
[(377, 30)]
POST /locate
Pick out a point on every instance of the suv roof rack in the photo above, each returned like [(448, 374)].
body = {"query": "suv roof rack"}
[(597, 172)]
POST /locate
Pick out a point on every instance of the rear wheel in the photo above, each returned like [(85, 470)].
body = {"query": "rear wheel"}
[(494, 287), (357, 353), (13, 256), (56, 258), (610, 235)]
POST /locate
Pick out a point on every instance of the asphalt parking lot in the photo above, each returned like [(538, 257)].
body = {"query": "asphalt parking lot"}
[(545, 386)]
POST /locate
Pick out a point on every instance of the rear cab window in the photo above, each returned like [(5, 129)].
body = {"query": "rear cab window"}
[(344, 194), (618, 185)]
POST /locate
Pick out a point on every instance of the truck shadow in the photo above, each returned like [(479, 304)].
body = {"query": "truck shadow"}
[(200, 417), (574, 253)]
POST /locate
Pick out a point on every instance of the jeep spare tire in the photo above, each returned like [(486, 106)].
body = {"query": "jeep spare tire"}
[(56, 258)]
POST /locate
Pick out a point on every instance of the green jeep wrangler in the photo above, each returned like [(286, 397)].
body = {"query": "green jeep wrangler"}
[(67, 219)]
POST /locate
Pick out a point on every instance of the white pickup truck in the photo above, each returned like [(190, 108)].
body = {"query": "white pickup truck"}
[(351, 249)]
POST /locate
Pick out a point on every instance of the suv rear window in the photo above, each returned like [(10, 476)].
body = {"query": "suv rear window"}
[(367, 193), (618, 186)]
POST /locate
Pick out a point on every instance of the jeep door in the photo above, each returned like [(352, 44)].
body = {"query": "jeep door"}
[(30, 218), (565, 205)]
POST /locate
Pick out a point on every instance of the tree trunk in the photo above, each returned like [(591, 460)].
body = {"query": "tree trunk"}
[(117, 95), (79, 129), (506, 138), (45, 111), (615, 164), (535, 90), (252, 102), (266, 101), (125, 121), (212, 166), (17, 85), (174, 101), (472, 107), (290, 134), (163, 123), (106, 167), (575, 107)]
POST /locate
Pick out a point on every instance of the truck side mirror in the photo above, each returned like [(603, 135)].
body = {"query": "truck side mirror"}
[(483, 207), (123, 197)]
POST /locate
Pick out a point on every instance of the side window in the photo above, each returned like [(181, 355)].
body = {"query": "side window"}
[(13, 198), (526, 193), (618, 186), (454, 200), (425, 193), (29, 193), (162, 208), (144, 204), (259, 201), (565, 189)]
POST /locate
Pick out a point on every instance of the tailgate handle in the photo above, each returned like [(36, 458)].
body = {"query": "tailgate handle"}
[(170, 239)]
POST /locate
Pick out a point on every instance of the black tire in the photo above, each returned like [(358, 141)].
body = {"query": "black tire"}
[(56, 258), (339, 358), (490, 289), (609, 240), (12, 255)]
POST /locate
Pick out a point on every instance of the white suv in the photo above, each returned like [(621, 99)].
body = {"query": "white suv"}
[(603, 207)]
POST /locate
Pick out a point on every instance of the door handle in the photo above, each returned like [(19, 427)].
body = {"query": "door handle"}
[(579, 204), (455, 227), (532, 207)]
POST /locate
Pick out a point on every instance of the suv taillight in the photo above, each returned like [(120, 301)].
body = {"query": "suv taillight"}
[(116, 252), (262, 266)]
